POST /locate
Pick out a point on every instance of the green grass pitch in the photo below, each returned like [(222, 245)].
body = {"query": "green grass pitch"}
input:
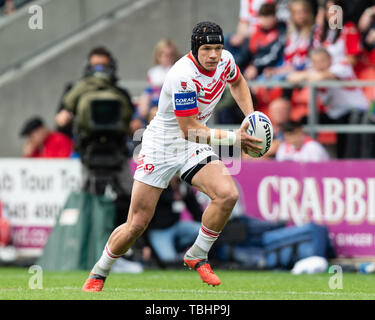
[(185, 284)]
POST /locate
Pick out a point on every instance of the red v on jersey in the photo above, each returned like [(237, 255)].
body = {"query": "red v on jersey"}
[(210, 94)]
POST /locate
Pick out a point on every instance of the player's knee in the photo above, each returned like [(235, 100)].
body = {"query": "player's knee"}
[(228, 197), (137, 228), (138, 224), (232, 197)]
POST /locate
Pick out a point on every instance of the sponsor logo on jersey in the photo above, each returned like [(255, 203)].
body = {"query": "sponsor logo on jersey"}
[(185, 101)]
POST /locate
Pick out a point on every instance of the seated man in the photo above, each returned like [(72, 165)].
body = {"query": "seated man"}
[(41, 142)]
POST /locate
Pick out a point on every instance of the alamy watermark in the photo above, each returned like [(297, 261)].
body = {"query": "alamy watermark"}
[(336, 280), (36, 20), (36, 280), (336, 17)]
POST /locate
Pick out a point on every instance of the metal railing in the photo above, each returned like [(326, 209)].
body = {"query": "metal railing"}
[(312, 127)]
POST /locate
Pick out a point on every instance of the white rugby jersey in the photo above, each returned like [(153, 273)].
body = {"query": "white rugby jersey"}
[(188, 90)]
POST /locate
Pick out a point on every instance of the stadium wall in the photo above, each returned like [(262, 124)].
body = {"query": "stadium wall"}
[(131, 40)]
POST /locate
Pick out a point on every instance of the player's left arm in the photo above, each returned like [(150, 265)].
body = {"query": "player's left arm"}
[(241, 94)]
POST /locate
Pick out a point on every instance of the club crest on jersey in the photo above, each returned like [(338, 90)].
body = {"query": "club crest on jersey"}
[(183, 85), (201, 93), (149, 168)]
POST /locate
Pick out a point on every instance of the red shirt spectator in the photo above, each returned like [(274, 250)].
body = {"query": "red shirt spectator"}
[(42, 142), (266, 45), (56, 145), (347, 44)]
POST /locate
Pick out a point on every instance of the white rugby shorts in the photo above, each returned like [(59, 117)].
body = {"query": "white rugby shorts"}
[(160, 158)]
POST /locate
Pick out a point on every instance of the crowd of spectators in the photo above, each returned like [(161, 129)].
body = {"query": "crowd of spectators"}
[(295, 41), (309, 41)]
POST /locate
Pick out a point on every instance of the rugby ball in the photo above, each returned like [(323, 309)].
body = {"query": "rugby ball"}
[(260, 126)]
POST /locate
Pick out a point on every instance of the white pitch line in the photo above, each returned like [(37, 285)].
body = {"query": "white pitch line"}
[(225, 292)]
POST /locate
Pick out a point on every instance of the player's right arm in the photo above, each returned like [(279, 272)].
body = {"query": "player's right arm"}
[(194, 131)]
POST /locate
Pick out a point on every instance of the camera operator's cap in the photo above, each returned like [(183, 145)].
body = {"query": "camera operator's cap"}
[(30, 125)]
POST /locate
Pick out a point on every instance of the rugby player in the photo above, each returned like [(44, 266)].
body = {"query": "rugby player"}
[(178, 141)]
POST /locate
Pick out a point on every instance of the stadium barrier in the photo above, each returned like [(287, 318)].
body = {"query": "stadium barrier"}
[(312, 127), (338, 194)]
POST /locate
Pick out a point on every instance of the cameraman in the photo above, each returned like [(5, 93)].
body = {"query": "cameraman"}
[(74, 118), (98, 56)]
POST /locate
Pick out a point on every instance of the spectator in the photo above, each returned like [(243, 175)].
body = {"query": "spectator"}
[(168, 234), (343, 105), (237, 42), (366, 70), (99, 83), (8, 6), (266, 45), (98, 57), (41, 142), (366, 66), (283, 9), (298, 42), (165, 55), (298, 146), (366, 21), (355, 8), (342, 42), (279, 113)]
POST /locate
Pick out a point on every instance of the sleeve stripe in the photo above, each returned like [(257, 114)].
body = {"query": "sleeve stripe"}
[(236, 77), (186, 113)]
